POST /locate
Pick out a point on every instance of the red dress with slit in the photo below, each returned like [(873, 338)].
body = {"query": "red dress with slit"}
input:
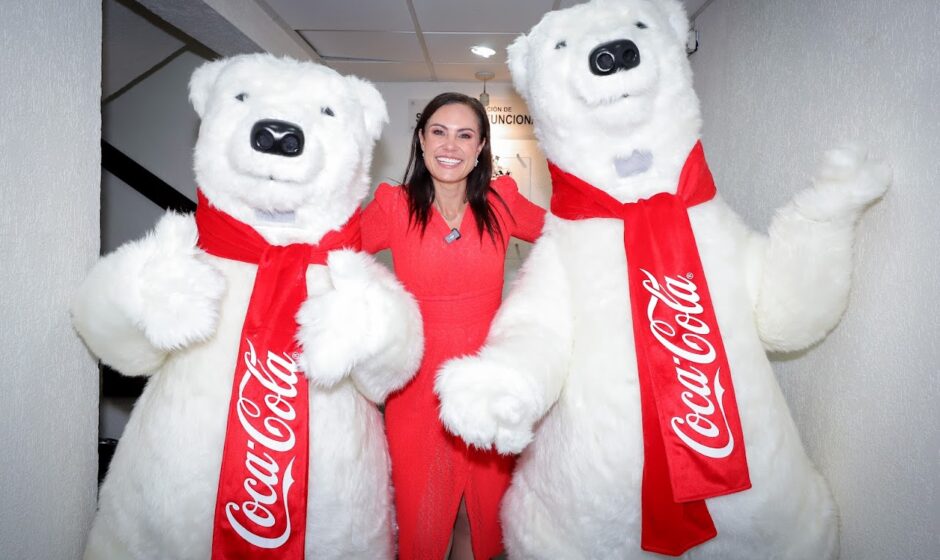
[(458, 287)]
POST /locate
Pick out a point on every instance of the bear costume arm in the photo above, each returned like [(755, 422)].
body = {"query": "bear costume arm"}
[(497, 396), (107, 330), (394, 361), (148, 298), (804, 266)]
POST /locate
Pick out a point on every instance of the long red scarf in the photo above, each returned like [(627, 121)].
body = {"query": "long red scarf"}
[(692, 442), (261, 507)]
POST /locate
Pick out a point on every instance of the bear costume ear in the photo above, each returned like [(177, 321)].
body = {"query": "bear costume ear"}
[(374, 110), (201, 82), (518, 59), (678, 19)]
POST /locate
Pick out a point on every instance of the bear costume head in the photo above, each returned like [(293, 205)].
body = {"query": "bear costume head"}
[(267, 151), (609, 85)]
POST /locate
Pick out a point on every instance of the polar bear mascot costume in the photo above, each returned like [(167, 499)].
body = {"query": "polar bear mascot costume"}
[(628, 363), (229, 453)]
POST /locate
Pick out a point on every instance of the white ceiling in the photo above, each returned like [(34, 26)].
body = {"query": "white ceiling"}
[(416, 40), (380, 40)]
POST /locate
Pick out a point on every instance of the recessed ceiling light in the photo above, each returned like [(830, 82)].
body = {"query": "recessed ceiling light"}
[(480, 50)]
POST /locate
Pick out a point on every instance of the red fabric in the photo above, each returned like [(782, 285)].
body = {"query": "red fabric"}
[(261, 506), (458, 287), (692, 439)]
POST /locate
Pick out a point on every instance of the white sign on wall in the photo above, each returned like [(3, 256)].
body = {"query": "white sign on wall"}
[(509, 117)]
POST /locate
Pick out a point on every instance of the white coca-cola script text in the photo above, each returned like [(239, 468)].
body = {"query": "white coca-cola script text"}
[(684, 335), (268, 480)]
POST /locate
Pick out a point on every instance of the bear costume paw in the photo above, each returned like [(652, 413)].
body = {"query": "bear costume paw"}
[(486, 404), (846, 182), (346, 323), (178, 294)]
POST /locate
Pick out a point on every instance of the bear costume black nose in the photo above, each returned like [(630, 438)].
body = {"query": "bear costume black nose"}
[(608, 58), (279, 138)]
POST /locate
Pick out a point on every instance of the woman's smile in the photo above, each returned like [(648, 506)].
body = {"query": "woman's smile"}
[(449, 162)]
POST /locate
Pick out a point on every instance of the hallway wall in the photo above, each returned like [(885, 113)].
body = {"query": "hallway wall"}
[(50, 63), (781, 81)]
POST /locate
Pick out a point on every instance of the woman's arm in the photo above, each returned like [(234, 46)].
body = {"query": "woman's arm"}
[(527, 217), (377, 219)]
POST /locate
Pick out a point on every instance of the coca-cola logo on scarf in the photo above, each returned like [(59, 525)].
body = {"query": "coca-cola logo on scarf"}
[(269, 458), (684, 335)]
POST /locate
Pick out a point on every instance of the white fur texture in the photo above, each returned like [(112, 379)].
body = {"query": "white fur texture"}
[(356, 328), (325, 183), (558, 371), (160, 306), (149, 297)]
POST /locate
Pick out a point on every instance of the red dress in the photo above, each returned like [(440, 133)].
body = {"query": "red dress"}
[(459, 288)]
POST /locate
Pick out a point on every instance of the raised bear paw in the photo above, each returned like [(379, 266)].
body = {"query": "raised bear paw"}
[(848, 180), (344, 318), (178, 291), (486, 404)]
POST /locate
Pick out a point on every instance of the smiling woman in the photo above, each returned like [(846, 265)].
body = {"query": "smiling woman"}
[(451, 164), (448, 227)]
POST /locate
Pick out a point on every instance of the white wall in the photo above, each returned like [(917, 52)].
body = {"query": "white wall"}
[(780, 81), (154, 124), (50, 63)]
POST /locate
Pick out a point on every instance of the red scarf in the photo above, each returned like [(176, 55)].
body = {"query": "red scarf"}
[(692, 442), (261, 507)]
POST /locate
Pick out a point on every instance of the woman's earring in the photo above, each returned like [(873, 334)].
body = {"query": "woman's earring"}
[(476, 162)]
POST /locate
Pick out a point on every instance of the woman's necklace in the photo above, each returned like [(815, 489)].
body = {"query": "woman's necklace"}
[(452, 221)]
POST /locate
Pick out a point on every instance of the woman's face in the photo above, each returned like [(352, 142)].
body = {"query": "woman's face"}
[(451, 143)]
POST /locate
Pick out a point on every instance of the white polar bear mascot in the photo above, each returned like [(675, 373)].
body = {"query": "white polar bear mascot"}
[(209, 309), (640, 395)]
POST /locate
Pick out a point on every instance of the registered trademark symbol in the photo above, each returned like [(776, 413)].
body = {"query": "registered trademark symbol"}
[(690, 276)]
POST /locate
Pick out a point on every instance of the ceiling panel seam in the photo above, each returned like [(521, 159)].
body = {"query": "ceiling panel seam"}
[(302, 43), (420, 35)]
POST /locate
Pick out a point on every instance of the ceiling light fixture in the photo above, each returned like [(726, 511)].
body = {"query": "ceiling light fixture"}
[(484, 75), (480, 50)]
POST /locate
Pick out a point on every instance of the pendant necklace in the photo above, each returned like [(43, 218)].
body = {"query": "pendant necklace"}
[(454, 233)]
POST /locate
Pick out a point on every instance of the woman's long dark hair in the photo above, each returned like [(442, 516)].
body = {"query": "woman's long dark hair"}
[(419, 185)]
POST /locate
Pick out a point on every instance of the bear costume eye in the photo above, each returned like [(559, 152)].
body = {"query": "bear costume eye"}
[(641, 25), (327, 111), (241, 96), (561, 44)]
